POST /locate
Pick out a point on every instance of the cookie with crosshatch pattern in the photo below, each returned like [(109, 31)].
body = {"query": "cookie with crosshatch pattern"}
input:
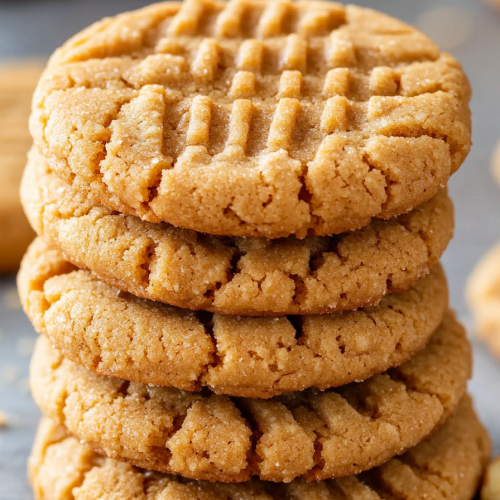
[(254, 118), (310, 434), (448, 465)]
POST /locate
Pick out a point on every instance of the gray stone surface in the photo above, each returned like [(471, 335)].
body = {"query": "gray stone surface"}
[(36, 28)]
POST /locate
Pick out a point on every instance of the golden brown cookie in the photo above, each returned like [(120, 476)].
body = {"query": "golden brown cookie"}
[(447, 466), (491, 486), (116, 334), (17, 84), (483, 295), (310, 434), (246, 276), (254, 118)]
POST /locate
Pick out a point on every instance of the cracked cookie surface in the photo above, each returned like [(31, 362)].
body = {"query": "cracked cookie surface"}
[(310, 434), (245, 276), (254, 118), (116, 334), (449, 465)]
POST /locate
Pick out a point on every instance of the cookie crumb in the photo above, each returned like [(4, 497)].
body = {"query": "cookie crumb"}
[(449, 27), (491, 486), (4, 421)]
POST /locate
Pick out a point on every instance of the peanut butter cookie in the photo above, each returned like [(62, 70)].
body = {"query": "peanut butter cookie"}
[(114, 333), (310, 434), (244, 276), (449, 465), (254, 118)]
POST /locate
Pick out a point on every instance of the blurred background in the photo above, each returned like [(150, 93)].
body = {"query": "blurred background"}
[(469, 29)]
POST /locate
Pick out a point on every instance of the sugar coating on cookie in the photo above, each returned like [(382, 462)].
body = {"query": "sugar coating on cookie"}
[(114, 333), (310, 434), (17, 84), (245, 276), (483, 295), (453, 459), (254, 118)]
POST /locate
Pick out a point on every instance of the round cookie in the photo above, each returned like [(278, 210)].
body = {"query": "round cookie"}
[(17, 84), (449, 465), (254, 118), (116, 334), (245, 276), (310, 434), (483, 295)]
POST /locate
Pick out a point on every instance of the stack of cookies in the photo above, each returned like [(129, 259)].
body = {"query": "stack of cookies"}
[(241, 208)]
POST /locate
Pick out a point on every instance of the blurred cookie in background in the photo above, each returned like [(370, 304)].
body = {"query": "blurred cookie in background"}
[(483, 296), (495, 3), (491, 486), (495, 161), (17, 84)]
